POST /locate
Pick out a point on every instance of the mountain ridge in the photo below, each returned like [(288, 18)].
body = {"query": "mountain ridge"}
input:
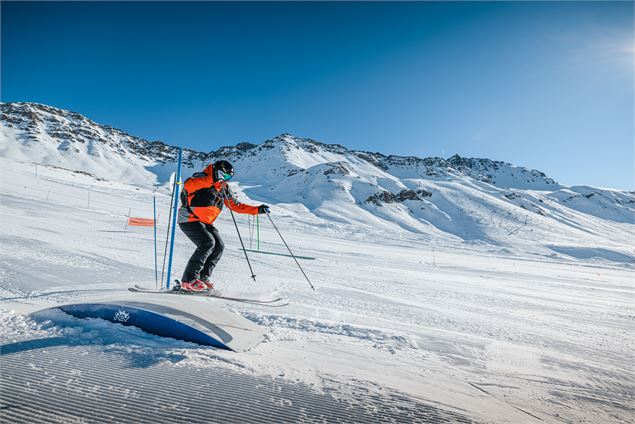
[(72, 128), (464, 199)]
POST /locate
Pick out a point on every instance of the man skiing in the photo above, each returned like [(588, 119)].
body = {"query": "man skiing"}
[(202, 200)]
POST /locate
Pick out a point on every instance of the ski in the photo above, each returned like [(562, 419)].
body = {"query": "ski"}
[(267, 302)]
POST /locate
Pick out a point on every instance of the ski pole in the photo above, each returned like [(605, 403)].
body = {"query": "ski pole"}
[(292, 255), (177, 183), (253, 276), (156, 267), (167, 237), (250, 230)]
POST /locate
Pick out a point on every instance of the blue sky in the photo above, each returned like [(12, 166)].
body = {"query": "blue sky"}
[(542, 84)]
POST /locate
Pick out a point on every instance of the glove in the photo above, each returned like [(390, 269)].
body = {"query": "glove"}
[(263, 209)]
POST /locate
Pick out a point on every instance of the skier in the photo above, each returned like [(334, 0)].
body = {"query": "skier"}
[(202, 200)]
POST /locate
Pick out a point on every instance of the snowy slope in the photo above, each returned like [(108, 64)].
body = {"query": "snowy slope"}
[(459, 199), (469, 289), (399, 324)]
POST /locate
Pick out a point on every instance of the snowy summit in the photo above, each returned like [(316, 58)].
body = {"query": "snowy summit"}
[(460, 199)]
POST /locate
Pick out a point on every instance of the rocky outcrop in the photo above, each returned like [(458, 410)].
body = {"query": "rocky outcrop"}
[(387, 197)]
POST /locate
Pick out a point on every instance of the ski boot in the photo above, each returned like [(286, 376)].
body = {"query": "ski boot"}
[(193, 286), (208, 283)]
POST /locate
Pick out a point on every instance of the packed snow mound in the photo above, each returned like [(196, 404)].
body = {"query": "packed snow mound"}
[(465, 199)]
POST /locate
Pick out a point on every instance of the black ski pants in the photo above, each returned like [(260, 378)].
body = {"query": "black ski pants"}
[(209, 248)]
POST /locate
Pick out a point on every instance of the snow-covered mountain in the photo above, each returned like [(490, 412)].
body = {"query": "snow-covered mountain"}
[(68, 139), (50, 136), (465, 199)]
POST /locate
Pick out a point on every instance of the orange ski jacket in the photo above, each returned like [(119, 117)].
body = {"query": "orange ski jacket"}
[(203, 198)]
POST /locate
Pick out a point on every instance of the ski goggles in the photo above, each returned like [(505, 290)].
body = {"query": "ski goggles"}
[(224, 176)]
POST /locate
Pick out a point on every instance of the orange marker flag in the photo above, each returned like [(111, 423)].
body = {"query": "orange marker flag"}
[(140, 222)]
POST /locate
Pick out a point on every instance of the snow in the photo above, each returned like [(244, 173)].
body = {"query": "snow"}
[(495, 293), (536, 328), (475, 200)]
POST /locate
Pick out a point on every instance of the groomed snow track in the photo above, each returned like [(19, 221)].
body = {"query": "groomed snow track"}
[(47, 380)]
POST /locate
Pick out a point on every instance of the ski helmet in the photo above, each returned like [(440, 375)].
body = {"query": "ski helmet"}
[(224, 170)]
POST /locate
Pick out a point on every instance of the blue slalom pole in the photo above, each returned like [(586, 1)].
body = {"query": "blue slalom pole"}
[(177, 182), (156, 266)]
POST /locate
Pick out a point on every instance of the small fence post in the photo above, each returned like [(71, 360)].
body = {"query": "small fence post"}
[(127, 219)]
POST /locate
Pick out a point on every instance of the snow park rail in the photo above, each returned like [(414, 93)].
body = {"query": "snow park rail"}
[(191, 320)]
